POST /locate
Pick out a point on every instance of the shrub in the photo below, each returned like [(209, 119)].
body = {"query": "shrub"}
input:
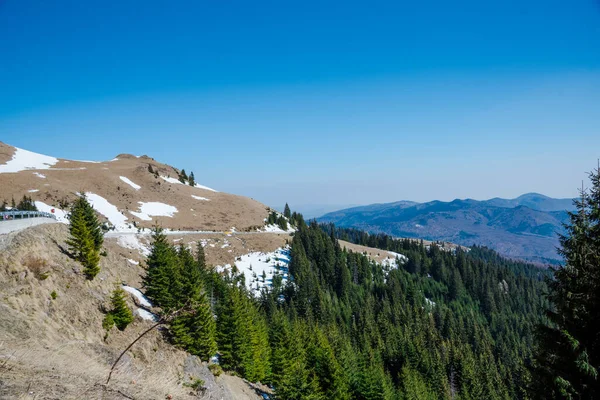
[(38, 266), (54, 295), (215, 369), (196, 384), (108, 322)]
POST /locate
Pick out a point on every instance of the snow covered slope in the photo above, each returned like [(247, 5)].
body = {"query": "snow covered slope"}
[(128, 192)]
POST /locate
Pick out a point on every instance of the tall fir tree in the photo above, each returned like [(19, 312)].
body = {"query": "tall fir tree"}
[(85, 238), (287, 212), (162, 281), (568, 356)]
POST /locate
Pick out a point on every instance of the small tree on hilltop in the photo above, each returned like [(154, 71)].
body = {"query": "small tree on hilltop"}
[(191, 179), (183, 176), (287, 212)]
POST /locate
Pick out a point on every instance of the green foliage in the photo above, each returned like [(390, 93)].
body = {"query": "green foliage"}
[(191, 179), (175, 280), (120, 312), (568, 354), (442, 325), (215, 369), (108, 322), (86, 237), (26, 204), (196, 384), (53, 295), (287, 212), (182, 176)]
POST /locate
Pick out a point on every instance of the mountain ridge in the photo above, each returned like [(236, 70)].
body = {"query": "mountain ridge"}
[(525, 227)]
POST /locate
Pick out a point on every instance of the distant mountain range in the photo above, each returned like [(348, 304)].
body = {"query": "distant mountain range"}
[(524, 228)]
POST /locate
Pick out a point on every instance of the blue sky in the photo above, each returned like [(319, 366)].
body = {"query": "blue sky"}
[(314, 103)]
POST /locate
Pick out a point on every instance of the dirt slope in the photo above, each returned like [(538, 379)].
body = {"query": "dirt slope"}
[(51, 184), (55, 348)]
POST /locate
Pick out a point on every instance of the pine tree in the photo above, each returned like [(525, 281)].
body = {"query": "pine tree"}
[(191, 179), (287, 212), (183, 176), (85, 237), (26, 204), (568, 358), (162, 281), (194, 330), (121, 314)]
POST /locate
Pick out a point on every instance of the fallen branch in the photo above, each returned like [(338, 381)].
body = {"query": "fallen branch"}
[(162, 321)]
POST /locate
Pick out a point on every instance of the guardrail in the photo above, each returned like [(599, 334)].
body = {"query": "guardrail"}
[(9, 215)]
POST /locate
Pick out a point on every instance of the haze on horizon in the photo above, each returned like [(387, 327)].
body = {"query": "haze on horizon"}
[(312, 104)]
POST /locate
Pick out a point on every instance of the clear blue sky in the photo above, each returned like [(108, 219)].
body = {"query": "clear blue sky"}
[(314, 102)]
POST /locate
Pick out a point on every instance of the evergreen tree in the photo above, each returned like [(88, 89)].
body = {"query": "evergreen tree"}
[(191, 179), (3, 206), (26, 204), (162, 281), (85, 237), (121, 314), (568, 358), (194, 330), (287, 212), (182, 176)]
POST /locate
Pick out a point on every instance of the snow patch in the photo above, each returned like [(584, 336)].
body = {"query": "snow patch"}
[(61, 216), (133, 261), (200, 198), (253, 265), (147, 315), (176, 181), (33, 190), (24, 159), (110, 211), (39, 175), (130, 183), (197, 185), (276, 229), (430, 303), (171, 180), (154, 209), (132, 242), (138, 295)]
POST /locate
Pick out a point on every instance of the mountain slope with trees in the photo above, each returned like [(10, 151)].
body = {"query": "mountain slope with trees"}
[(525, 228)]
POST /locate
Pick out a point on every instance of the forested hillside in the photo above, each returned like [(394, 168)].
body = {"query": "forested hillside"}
[(442, 325), (525, 228)]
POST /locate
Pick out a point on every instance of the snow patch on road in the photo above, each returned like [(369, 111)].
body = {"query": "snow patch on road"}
[(24, 159), (130, 183)]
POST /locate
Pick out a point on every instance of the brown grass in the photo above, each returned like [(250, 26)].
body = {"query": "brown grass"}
[(38, 266)]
